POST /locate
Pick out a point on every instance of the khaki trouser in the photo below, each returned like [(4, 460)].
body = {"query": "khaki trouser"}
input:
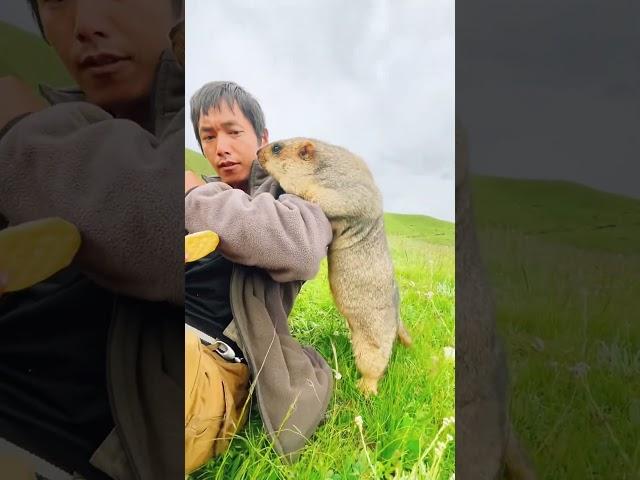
[(214, 396)]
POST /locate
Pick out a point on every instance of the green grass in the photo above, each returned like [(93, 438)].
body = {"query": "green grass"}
[(567, 307), (196, 162), (401, 427), (28, 57)]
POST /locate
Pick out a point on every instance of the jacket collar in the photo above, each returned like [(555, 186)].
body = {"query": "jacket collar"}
[(167, 93), (259, 181)]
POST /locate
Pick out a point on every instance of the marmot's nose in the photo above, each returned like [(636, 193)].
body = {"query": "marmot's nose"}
[(276, 148)]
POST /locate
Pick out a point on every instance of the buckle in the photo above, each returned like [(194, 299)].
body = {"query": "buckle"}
[(225, 351)]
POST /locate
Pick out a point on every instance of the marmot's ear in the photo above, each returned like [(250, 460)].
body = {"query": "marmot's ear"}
[(306, 151)]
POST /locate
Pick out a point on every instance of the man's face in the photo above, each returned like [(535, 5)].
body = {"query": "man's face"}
[(230, 143), (111, 48)]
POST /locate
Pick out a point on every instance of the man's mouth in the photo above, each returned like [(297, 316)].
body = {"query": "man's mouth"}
[(103, 63), (227, 166)]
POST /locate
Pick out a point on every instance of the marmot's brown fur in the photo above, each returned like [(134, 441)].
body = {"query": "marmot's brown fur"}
[(486, 444), (361, 273)]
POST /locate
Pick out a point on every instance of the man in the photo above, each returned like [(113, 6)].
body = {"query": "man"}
[(90, 367), (238, 299)]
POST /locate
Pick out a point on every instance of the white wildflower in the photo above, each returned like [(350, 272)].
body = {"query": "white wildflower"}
[(446, 421), (537, 343), (358, 421), (449, 353), (580, 369)]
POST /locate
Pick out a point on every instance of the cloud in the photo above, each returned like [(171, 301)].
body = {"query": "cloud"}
[(549, 90), (376, 77)]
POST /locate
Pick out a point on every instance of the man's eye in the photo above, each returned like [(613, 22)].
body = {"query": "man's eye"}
[(236, 132), (208, 138)]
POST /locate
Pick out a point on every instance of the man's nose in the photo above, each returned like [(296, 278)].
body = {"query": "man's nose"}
[(222, 145), (90, 21)]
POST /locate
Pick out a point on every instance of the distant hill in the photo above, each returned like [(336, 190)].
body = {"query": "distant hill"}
[(28, 57), (559, 211), (197, 162), (432, 230)]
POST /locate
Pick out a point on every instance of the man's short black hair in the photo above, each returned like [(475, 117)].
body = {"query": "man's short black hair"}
[(33, 4), (214, 94)]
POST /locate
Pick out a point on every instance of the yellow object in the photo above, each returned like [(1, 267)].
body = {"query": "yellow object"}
[(33, 251), (215, 396), (200, 244)]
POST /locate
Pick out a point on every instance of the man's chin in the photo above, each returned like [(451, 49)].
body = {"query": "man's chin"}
[(118, 98), (235, 181)]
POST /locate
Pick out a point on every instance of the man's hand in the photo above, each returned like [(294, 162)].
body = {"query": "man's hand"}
[(17, 98), (191, 180)]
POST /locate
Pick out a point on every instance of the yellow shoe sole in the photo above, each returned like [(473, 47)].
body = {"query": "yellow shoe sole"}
[(33, 251), (200, 244)]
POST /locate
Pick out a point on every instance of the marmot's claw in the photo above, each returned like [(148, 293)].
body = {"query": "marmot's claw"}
[(368, 386)]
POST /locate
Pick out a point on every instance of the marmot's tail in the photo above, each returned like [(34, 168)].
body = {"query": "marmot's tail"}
[(403, 335)]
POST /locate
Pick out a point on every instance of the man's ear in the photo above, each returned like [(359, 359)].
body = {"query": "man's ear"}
[(264, 139)]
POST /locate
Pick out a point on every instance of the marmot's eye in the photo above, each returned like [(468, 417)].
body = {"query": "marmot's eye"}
[(276, 149)]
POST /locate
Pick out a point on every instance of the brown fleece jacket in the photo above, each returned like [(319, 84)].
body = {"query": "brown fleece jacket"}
[(57, 162), (286, 237), (275, 240)]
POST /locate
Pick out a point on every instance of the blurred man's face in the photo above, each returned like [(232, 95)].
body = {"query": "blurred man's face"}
[(111, 48), (230, 143)]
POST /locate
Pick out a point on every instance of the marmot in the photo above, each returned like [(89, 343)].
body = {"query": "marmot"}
[(361, 273), (486, 444), (177, 41)]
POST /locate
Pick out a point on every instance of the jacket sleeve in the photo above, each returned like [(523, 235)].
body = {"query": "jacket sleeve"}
[(120, 185), (287, 236)]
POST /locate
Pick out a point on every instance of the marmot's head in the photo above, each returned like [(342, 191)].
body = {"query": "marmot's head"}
[(328, 175)]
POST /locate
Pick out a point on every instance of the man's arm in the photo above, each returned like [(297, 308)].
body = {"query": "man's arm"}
[(287, 236), (117, 183)]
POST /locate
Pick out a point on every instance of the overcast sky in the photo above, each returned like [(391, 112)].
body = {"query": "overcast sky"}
[(376, 77), (16, 12), (551, 89)]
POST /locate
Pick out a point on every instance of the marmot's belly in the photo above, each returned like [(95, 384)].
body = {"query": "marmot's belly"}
[(358, 282)]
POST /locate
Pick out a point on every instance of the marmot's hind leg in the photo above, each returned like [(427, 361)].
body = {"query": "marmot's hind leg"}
[(372, 347)]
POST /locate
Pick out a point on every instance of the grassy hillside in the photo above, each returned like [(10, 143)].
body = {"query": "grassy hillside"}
[(27, 56), (564, 262), (403, 433), (431, 230), (559, 212), (196, 162)]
